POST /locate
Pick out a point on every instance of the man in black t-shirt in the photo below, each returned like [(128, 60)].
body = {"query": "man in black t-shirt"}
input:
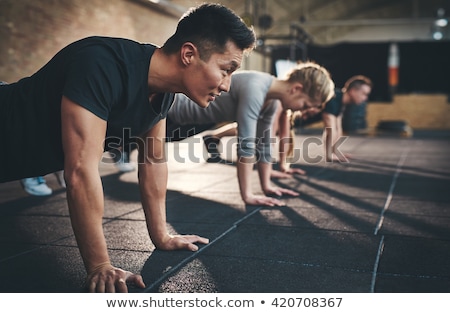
[(100, 93), (355, 92)]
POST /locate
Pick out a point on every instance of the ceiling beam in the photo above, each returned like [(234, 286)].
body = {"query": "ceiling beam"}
[(163, 6), (368, 22)]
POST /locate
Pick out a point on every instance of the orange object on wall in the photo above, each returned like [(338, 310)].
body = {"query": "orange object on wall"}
[(393, 76), (393, 65)]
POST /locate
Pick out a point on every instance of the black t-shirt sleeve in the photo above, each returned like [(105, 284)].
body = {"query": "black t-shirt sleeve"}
[(332, 107), (93, 81), (335, 105)]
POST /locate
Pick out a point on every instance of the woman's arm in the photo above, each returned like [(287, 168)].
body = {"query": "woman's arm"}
[(244, 173), (284, 134)]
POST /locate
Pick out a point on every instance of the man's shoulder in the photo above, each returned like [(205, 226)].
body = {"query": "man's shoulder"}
[(108, 46)]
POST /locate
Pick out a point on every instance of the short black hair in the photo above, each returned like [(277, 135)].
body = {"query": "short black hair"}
[(356, 82), (209, 27)]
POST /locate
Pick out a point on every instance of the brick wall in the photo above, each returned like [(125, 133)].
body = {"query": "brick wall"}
[(32, 31), (420, 111)]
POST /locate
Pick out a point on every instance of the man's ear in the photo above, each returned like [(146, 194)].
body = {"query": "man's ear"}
[(188, 52)]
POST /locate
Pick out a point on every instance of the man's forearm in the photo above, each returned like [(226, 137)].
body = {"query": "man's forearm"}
[(86, 206), (153, 188), (336, 134), (330, 137)]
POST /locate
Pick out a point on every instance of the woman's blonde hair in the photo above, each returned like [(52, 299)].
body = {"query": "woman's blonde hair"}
[(317, 84), (316, 81)]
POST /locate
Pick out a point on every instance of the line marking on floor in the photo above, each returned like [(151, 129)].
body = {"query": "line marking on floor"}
[(198, 252), (377, 262), (400, 164), (398, 170)]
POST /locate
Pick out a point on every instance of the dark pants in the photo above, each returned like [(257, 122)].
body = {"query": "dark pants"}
[(175, 132)]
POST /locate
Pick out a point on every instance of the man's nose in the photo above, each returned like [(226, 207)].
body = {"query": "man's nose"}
[(225, 85)]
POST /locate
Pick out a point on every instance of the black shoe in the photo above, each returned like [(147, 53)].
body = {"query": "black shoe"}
[(215, 158), (212, 144)]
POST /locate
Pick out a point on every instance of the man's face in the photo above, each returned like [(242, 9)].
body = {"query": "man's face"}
[(206, 80), (360, 95)]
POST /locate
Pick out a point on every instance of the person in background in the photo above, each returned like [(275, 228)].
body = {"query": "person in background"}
[(100, 93), (356, 91), (121, 158), (37, 186)]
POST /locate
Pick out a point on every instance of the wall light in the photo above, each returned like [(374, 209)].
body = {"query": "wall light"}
[(437, 35), (439, 25), (441, 20)]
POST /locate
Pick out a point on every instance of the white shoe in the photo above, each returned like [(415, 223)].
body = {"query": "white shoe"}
[(36, 186), (125, 167), (122, 162)]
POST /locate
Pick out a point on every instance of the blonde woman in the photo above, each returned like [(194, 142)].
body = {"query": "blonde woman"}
[(252, 102)]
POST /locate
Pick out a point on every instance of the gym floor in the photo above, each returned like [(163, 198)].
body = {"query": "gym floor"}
[(380, 223)]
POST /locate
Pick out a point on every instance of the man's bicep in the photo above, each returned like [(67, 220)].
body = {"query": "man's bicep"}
[(83, 132)]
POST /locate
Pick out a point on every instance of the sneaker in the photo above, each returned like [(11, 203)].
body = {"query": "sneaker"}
[(212, 146), (215, 158), (36, 186), (125, 167), (122, 162)]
